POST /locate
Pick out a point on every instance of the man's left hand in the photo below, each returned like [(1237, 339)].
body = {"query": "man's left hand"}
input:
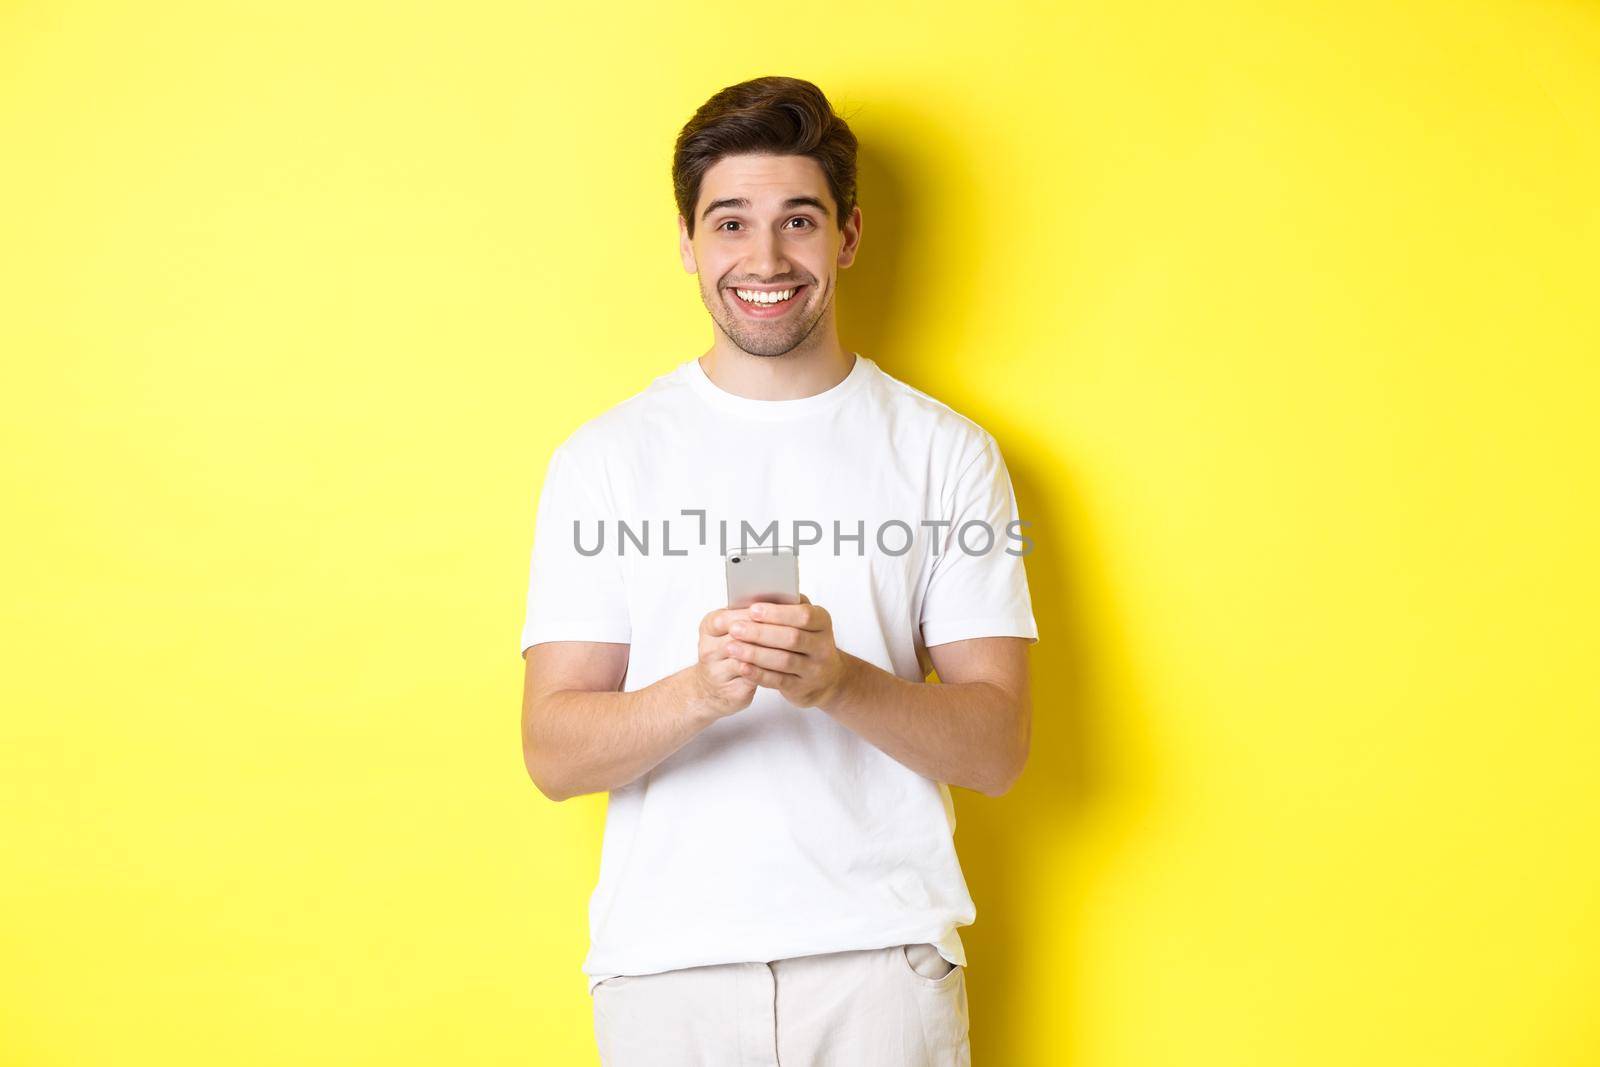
[(789, 647)]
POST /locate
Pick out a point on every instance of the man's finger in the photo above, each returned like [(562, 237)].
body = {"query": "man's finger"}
[(804, 616), (771, 635), (719, 621), (772, 659), (762, 676)]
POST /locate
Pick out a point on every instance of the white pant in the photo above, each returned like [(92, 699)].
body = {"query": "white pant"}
[(903, 1006)]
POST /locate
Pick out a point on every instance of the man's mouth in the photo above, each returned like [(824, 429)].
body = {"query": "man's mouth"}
[(766, 303)]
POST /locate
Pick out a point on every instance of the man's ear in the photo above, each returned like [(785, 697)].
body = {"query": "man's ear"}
[(852, 238), (686, 247)]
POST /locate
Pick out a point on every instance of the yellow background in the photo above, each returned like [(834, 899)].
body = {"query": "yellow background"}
[(1284, 315)]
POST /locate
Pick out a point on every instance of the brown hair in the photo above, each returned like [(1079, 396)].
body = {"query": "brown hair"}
[(765, 116)]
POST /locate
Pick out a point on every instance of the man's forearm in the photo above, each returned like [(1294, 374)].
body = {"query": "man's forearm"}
[(588, 742), (961, 733)]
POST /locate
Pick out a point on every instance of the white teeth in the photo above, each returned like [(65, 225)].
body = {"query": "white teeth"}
[(754, 297)]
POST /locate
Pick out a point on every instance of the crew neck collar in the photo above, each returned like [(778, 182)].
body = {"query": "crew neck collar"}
[(777, 409)]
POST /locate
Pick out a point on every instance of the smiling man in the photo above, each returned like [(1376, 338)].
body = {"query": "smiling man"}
[(778, 878)]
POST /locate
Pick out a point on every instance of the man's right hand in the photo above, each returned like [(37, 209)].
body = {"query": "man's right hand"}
[(719, 688)]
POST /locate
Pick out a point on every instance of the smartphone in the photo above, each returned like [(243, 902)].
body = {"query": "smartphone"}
[(771, 575)]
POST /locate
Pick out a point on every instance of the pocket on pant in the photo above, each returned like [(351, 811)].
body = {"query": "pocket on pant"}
[(923, 963), (607, 991), (940, 1004)]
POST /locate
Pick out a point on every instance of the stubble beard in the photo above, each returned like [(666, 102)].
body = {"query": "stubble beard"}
[(752, 337)]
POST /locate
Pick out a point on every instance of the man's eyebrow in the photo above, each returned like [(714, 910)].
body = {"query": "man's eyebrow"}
[(741, 202)]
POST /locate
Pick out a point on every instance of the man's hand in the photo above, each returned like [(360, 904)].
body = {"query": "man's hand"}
[(789, 647), (719, 683)]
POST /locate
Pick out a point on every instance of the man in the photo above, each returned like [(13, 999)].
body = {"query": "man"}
[(778, 878)]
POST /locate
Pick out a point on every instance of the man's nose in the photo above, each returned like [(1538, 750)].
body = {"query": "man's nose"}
[(766, 259)]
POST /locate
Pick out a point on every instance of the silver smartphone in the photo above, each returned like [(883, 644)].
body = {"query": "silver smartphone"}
[(771, 575)]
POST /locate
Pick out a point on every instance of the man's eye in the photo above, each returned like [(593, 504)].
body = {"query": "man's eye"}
[(798, 218)]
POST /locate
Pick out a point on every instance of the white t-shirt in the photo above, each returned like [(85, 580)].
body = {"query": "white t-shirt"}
[(776, 831)]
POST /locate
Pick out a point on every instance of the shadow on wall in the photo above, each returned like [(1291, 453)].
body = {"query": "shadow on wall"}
[(1013, 849), (1018, 852), (865, 305)]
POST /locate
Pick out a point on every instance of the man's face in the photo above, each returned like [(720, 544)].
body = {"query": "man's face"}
[(767, 223)]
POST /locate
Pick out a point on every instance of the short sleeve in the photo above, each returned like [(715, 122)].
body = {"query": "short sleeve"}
[(978, 587), (573, 596)]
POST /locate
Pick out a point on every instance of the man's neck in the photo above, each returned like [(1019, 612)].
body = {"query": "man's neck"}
[(791, 376)]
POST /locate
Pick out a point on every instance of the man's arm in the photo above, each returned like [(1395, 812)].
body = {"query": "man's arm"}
[(581, 735), (972, 730)]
